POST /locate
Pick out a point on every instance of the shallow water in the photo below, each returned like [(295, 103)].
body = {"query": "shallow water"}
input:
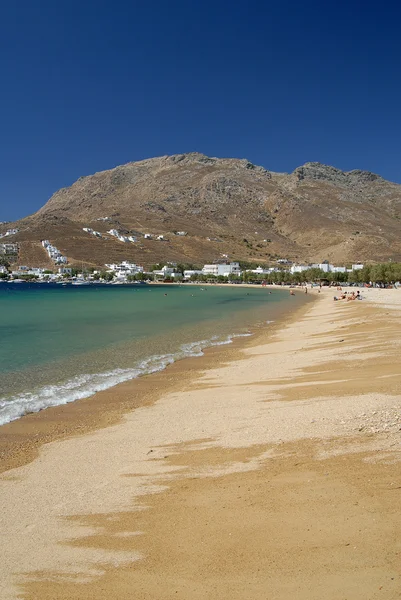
[(59, 344)]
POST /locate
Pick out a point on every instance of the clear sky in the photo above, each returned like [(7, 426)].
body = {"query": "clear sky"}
[(87, 85)]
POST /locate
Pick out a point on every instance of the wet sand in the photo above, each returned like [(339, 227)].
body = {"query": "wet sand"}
[(267, 470)]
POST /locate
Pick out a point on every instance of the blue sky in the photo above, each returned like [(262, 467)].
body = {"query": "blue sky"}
[(88, 85)]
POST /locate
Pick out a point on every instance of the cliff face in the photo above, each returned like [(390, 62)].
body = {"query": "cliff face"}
[(317, 212)]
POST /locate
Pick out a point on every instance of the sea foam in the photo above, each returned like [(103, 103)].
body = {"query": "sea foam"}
[(86, 385)]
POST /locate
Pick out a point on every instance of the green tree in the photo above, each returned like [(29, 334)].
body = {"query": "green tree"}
[(107, 276), (4, 262)]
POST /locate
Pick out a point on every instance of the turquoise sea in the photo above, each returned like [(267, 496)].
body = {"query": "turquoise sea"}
[(62, 343)]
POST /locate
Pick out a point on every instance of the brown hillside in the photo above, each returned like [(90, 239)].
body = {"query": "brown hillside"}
[(317, 212)]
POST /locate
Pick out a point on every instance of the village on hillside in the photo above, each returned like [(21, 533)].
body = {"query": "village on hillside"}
[(221, 271)]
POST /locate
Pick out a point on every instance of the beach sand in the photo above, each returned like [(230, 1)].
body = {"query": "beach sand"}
[(269, 469)]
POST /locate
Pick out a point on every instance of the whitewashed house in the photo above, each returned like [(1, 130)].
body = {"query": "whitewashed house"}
[(260, 271), (224, 269), (8, 248), (9, 232), (123, 269), (166, 272), (298, 268)]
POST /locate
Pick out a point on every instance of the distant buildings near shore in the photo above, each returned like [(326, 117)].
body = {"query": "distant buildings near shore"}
[(326, 268), (126, 271)]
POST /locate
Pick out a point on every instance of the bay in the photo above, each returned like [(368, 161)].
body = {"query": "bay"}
[(62, 343)]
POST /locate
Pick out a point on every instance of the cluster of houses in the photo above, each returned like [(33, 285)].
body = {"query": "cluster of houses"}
[(121, 272), (123, 269), (151, 236), (9, 232), (326, 267), (121, 237), (54, 254), (8, 249), (92, 232), (113, 232), (128, 238)]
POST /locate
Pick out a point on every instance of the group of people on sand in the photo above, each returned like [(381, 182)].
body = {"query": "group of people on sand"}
[(348, 295)]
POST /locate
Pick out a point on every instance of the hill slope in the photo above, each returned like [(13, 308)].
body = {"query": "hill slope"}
[(227, 206)]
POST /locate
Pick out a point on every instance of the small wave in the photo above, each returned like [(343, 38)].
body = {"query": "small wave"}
[(86, 385)]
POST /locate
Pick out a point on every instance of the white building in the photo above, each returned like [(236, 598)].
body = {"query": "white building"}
[(9, 232), (92, 232), (222, 269), (188, 273), (3, 269), (148, 236), (123, 269), (53, 253), (325, 267), (121, 237), (23, 270), (8, 248), (166, 272), (260, 271), (298, 268)]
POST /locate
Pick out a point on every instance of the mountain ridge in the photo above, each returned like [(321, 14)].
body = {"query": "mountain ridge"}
[(316, 212)]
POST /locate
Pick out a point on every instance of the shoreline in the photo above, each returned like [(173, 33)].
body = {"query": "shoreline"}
[(22, 438), (269, 470)]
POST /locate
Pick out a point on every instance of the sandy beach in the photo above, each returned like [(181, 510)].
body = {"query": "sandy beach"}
[(264, 470)]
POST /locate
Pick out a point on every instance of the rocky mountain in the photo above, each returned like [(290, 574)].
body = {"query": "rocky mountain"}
[(227, 207)]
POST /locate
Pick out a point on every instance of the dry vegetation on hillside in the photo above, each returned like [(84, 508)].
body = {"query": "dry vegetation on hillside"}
[(227, 206)]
